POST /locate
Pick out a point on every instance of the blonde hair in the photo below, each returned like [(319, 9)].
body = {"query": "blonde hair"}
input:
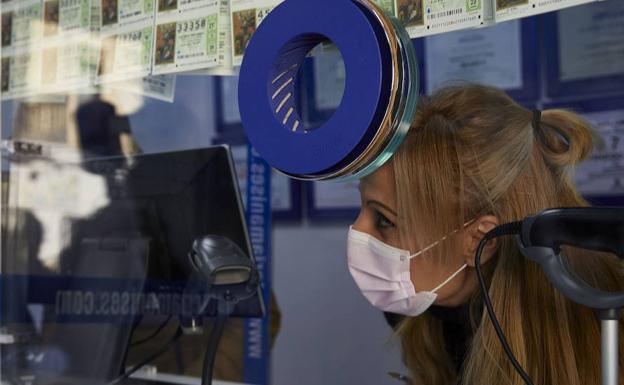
[(473, 151)]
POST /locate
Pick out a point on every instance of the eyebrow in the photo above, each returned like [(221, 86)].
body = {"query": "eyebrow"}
[(377, 203)]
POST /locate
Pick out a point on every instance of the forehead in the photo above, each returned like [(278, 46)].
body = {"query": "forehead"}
[(380, 181)]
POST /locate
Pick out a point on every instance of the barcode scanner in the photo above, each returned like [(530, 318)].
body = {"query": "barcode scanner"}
[(540, 238), (223, 266), (229, 276), (592, 228)]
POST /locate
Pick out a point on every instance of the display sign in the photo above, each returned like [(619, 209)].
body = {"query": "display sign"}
[(333, 201), (603, 172), (585, 49), (428, 17), (258, 214), (601, 176), (502, 56)]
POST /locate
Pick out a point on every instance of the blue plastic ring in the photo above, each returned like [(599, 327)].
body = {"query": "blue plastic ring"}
[(276, 51)]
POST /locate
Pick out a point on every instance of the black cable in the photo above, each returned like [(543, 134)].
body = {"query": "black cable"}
[(149, 359), (153, 334), (506, 229), (211, 350)]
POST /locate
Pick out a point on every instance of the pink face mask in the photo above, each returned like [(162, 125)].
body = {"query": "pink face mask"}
[(382, 273)]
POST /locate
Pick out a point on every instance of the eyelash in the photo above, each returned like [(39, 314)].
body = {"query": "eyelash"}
[(382, 222)]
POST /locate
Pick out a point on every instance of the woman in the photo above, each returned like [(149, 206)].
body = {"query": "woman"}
[(474, 159)]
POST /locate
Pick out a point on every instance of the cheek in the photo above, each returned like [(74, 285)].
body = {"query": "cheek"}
[(423, 274)]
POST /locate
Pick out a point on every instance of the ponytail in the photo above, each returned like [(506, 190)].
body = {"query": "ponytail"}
[(565, 138)]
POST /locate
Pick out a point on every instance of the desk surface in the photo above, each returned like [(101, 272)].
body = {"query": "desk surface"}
[(176, 379)]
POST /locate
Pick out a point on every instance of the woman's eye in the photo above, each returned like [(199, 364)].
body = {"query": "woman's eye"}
[(381, 222)]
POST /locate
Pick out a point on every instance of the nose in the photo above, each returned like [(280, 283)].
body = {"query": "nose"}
[(364, 222)]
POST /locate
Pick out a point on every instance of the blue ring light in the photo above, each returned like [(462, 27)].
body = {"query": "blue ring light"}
[(404, 119), (341, 148)]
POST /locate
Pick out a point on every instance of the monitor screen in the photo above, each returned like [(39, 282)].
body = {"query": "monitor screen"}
[(96, 251)]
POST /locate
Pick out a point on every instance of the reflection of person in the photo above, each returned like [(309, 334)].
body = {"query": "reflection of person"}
[(7, 24), (410, 12), (473, 160), (165, 43), (109, 12), (244, 27), (102, 132)]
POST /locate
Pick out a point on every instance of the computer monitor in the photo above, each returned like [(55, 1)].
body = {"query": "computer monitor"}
[(77, 231)]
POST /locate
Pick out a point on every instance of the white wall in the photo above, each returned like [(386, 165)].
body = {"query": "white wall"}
[(330, 334)]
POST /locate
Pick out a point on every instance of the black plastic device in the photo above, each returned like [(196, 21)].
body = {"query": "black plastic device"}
[(592, 228)]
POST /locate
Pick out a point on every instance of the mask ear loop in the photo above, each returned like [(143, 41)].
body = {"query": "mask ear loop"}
[(449, 279), (431, 246)]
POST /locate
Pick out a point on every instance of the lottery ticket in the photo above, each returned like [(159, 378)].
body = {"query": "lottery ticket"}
[(7, 26), (172, 7), (20, 73), (514, 9), (94, 47), (246, 16), (22, 24), (187, 41), (62, 17), (225, 67), (68, 65), (428, 17), (126, 53), (116, 13), (96, 15)]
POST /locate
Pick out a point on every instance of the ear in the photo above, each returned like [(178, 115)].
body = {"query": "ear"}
[(473, 234)]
